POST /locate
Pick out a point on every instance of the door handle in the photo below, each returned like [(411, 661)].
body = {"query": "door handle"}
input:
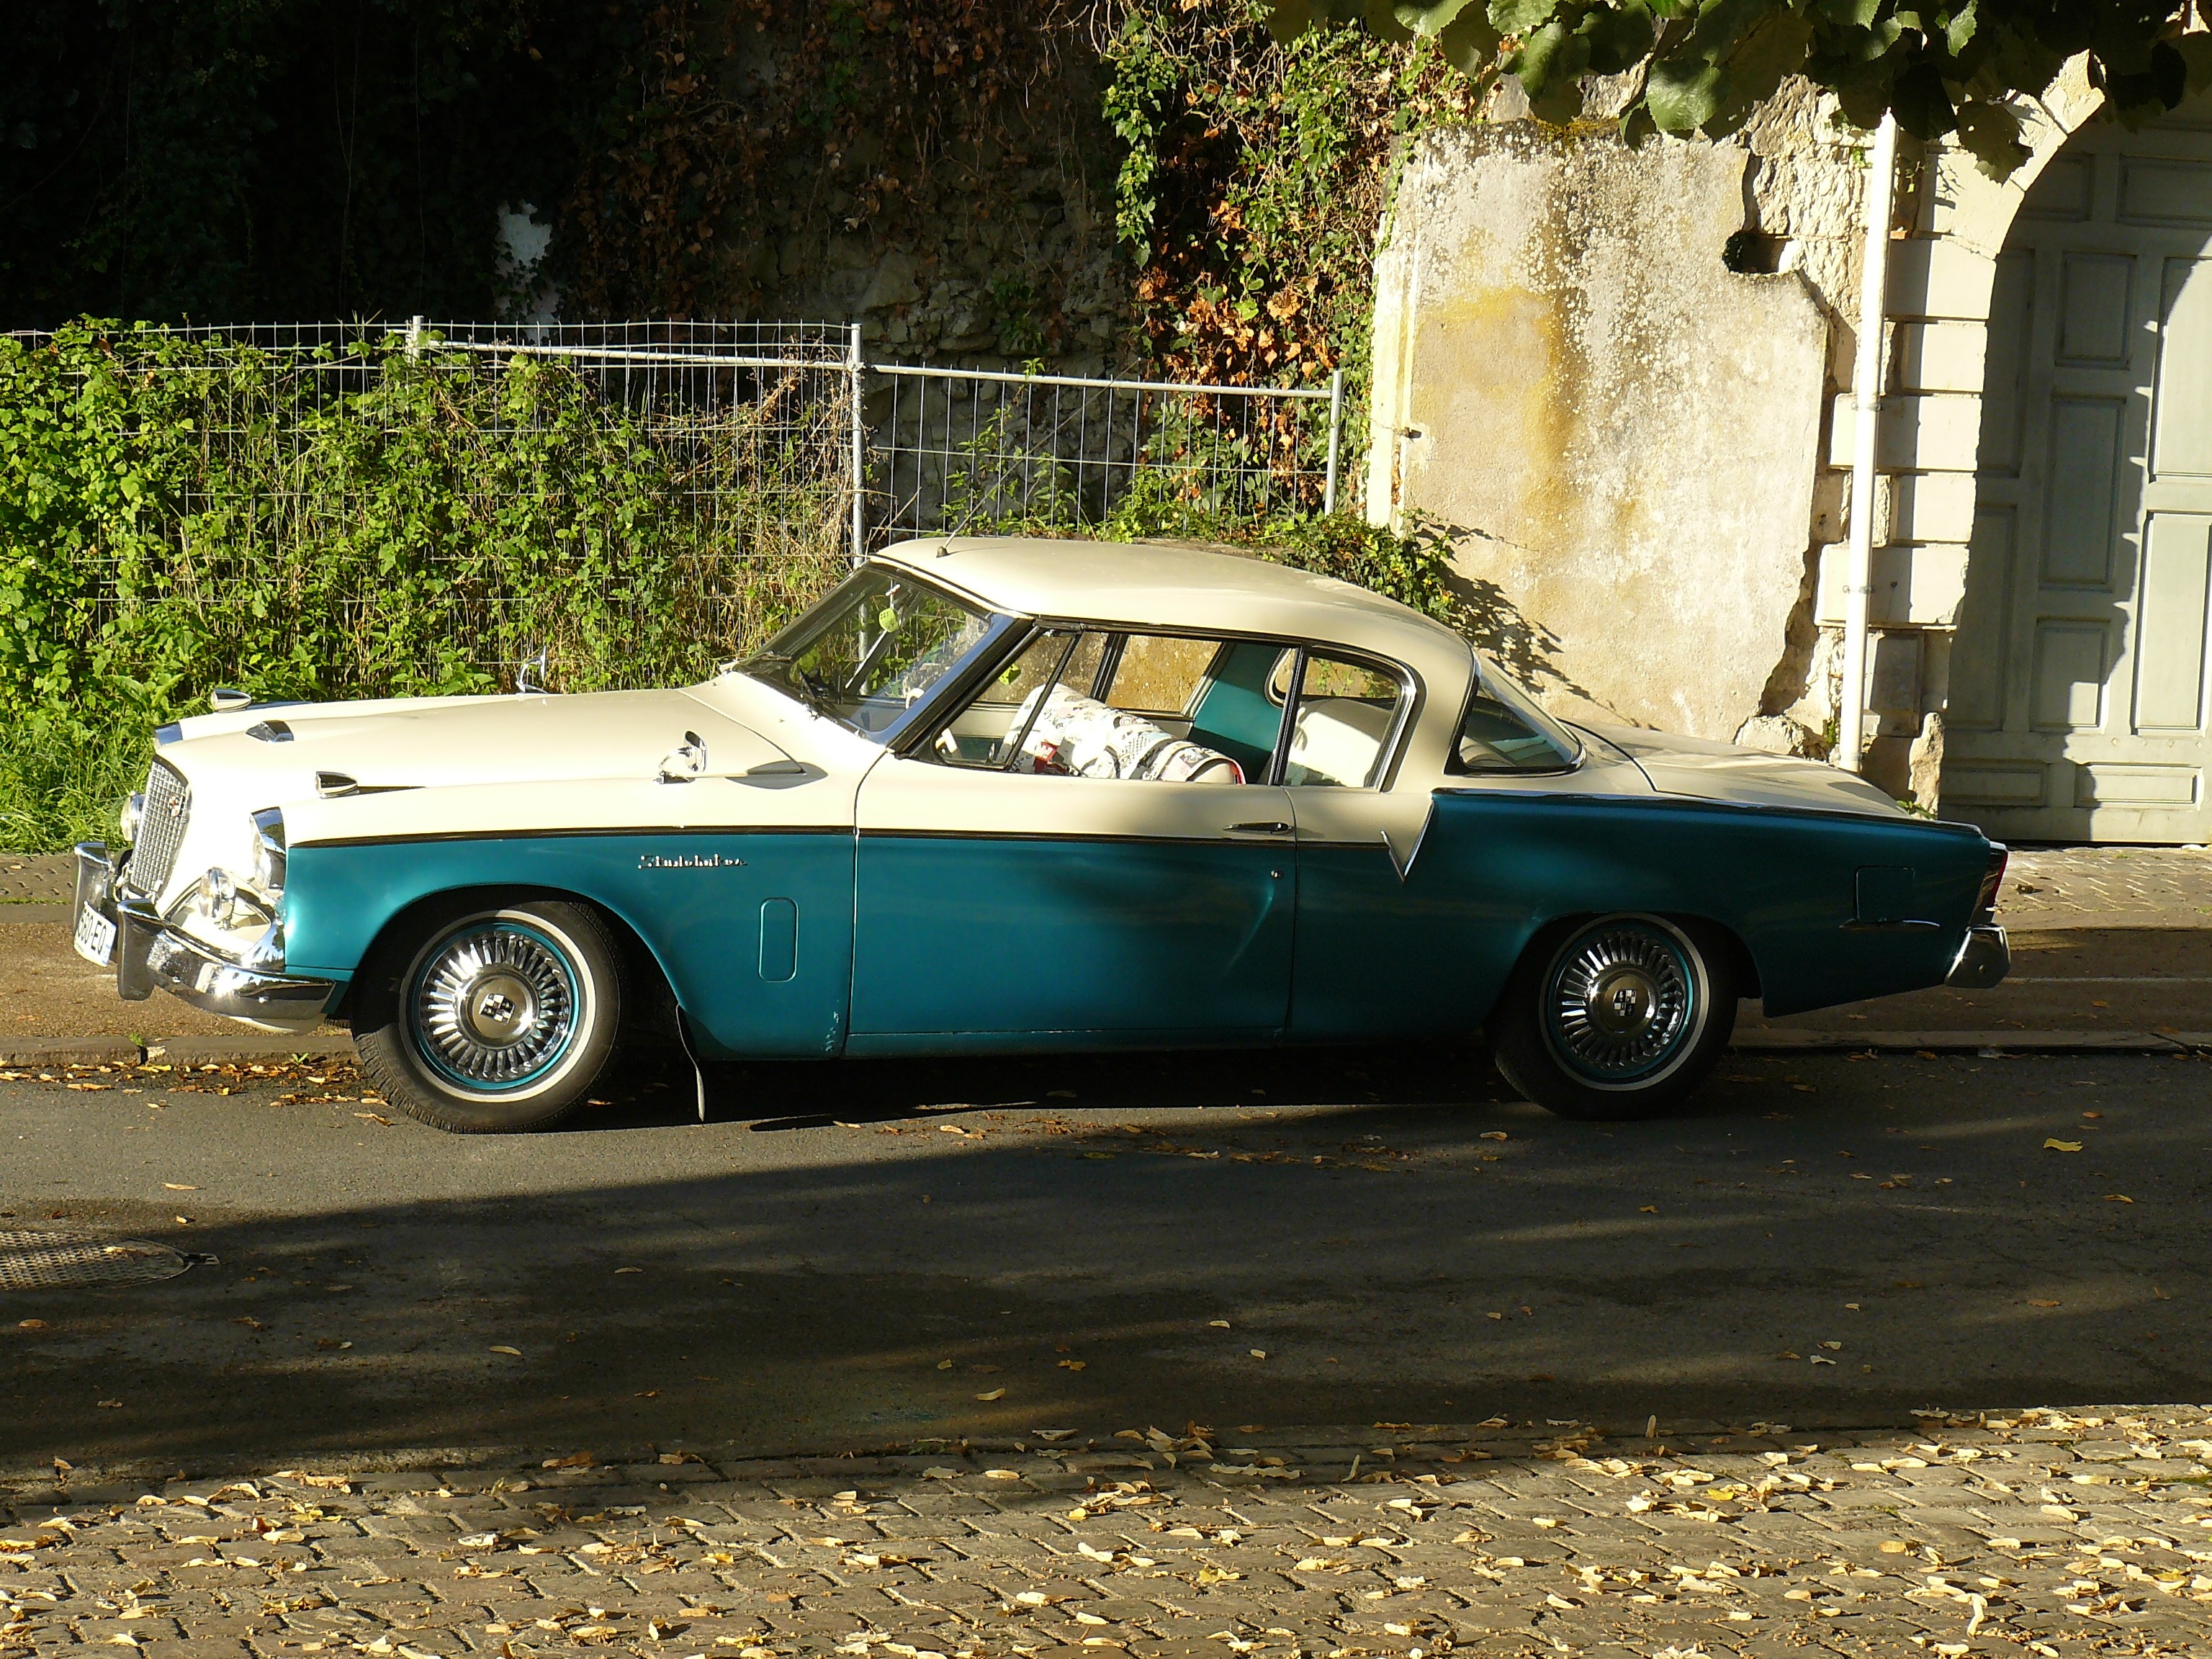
[(1272, 826)]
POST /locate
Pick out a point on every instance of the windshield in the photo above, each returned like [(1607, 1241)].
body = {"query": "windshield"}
[(869, 652)]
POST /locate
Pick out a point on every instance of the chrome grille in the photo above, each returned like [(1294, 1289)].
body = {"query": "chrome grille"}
[(168, 804)]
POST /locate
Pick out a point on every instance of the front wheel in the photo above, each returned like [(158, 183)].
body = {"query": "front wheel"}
[(482, 1018), (1621, 1017)]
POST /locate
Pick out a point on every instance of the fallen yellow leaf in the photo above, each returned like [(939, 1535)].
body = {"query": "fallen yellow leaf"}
[(179, 1187), (2055, 1144), (2119, 1198), (501, 1347), (995, 1394)]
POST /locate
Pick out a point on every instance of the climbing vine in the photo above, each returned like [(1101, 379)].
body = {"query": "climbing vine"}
[(1254, 181)]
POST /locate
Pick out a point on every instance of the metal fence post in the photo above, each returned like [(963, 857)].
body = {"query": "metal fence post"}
[(414, 336), (1335, 431), (859, 438)]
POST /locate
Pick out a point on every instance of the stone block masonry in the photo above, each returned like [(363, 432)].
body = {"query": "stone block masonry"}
[(2039, 1532)]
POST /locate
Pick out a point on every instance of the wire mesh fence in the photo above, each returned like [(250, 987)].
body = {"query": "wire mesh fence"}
[(348, 510), (963, 449), (345, 510)]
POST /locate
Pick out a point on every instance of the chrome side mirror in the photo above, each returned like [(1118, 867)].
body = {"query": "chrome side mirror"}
[(224, 700), (686, 762)]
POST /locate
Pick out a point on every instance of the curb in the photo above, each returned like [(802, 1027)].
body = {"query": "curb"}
[(398, 1470), (253, 1048), (37, 914), (257, 1048), (1986, 1043)]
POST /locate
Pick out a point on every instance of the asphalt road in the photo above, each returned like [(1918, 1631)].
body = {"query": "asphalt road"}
[(859, 1255)]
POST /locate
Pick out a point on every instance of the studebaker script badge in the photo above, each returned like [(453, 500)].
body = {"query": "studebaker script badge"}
[(688, 861)]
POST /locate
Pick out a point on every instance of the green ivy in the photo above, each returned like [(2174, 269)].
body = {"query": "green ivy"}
[(177, 512)]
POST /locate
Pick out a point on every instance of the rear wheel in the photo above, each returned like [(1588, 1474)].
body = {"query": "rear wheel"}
[(1619, 1017), (484, 1017)]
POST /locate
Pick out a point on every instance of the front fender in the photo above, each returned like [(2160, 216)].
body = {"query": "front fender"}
[(753, 928)]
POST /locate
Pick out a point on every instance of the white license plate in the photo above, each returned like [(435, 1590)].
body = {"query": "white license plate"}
[(95, 937)]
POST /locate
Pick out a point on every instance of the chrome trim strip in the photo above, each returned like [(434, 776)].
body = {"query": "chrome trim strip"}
[(1668, 801), (428, 836), (1225, 837)]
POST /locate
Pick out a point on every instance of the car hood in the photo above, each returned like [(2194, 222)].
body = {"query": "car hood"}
[(431, 742), (1746, 777)]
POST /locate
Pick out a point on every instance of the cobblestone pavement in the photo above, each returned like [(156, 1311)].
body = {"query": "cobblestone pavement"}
[(37, 878), (2107, 887), (2043, 1532)]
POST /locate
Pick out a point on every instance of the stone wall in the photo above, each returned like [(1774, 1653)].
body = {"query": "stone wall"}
[(1602, 370), (1618, 430)]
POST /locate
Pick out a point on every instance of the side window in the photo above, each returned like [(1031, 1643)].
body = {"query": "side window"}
[(1346, 711), (1160, 674), (1494, 736), (1093, 705), (988, 733)]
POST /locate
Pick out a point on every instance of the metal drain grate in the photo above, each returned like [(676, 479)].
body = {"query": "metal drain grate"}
[(46, 1261)]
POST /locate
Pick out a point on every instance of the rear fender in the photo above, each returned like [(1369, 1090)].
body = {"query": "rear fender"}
[(1784, 882)]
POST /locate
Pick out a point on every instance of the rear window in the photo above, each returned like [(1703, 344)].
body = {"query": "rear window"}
[(1503, 731)]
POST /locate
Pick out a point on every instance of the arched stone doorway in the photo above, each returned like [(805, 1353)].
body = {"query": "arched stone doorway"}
[(2077, 705)]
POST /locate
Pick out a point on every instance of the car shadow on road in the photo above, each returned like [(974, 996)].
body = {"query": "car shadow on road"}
[(815, 1095), (869, 1258)]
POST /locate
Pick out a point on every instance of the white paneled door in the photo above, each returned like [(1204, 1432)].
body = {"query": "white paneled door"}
[(2077, 706)]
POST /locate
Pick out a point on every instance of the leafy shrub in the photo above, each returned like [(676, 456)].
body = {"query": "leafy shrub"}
[(180, 512), (1414, 569)]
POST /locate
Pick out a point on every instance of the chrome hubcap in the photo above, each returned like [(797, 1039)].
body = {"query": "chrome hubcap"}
[(495, 1005), (1622, 1002)]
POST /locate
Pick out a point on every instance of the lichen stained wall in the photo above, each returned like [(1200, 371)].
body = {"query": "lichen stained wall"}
[(1620, 433)]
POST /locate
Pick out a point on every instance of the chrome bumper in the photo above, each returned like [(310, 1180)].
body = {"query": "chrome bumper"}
[(150, 955), (1984, 959)]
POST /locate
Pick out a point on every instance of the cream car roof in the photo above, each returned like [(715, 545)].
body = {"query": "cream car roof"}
[(1169, 586)]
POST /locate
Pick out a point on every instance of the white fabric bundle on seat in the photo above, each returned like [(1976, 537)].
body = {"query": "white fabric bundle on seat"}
[(1083, 736)]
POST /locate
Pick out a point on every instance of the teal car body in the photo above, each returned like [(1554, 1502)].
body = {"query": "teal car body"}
[(1376, 830)]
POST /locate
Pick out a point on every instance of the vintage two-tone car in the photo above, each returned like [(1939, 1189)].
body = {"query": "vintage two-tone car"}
[(995, 795)]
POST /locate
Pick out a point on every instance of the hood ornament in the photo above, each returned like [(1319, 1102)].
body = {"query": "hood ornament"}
[(686, 762)]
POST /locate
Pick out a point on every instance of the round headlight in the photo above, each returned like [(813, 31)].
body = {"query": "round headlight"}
[(133, 814)]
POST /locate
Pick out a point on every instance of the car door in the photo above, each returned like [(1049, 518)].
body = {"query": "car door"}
[(1401, 929), (1376, 954), (1023, 907)]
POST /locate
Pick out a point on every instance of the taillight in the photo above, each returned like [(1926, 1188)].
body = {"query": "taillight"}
[(1985, 901)]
